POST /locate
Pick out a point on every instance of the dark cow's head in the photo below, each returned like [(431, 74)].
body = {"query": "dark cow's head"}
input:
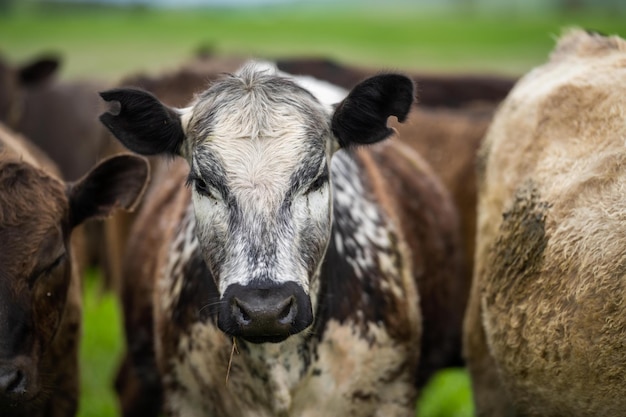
[(37, 215), (13, 79), (259, 147)]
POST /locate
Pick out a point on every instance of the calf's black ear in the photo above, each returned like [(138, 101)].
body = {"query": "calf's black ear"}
[(361, 118), (142, 123), (116, 182)]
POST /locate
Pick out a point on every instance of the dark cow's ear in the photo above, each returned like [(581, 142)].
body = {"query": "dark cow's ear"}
[(38, 70), (361, 118), (142, 123), (116, 182)]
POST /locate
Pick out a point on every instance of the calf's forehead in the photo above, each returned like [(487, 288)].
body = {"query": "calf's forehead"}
[(32, 208), (256, 104), (259, 129)]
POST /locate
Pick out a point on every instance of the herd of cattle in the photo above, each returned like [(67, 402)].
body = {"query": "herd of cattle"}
[(297, 251)]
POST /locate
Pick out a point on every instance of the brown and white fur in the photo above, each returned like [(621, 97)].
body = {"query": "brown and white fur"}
[(304, 272), (546, 323)]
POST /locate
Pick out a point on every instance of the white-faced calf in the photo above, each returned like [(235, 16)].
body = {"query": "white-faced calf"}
[(289, 249), (40, 299)]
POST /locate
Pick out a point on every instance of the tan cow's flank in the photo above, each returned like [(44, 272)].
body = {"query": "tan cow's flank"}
[(546, 322)]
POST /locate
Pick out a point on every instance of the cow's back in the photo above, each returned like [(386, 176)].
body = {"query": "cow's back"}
[(551, 228), (428, 223)]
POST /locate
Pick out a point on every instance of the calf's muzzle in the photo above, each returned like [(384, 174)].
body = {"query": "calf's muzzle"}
[(265, 312), (16, 381)]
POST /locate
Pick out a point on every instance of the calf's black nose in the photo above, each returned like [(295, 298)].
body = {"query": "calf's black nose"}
[(268, 312)]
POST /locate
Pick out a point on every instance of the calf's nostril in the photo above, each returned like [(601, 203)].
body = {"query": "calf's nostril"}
[(287, 311), (240, 313), (12, 382)]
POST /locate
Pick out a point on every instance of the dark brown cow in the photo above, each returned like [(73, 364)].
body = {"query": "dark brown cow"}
[(40, 297), (13, 80), (326, 311), (59, 117), (449, 140), (546, 323)]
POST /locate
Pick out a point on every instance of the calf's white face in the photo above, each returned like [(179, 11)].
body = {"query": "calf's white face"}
[(259, 148)]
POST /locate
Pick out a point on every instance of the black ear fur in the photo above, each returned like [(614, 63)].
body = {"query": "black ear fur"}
[(361, 118), (143, 124)]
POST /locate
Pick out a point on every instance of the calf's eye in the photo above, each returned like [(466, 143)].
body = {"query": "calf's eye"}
[(54, 264), (47, 270), (202, 187), (317, 184)]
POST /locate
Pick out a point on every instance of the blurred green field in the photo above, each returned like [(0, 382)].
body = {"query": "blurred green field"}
[(111, 43), (101, 347), (108, 44)]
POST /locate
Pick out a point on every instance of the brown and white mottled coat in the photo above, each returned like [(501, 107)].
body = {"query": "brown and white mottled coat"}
[(40, 299), (446, 128), (546, 325), (306, 272), (447, 138)]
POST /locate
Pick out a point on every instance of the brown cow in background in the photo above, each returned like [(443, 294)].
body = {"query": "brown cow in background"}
[(61, 118), (451, 91)]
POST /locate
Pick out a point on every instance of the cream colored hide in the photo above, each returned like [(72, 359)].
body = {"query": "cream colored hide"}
[(546, 325)]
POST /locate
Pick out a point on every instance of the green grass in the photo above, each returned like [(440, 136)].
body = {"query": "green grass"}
[(111, 43), (448, 394), (101, 347)]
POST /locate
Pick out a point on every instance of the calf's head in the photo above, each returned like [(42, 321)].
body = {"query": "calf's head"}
[(259, 147), (37, 214)]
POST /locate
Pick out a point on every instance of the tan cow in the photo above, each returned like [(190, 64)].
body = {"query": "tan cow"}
[(546, 325)]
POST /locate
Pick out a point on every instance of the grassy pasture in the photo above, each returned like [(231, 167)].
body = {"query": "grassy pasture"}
[(108, 44), (111, 43)]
